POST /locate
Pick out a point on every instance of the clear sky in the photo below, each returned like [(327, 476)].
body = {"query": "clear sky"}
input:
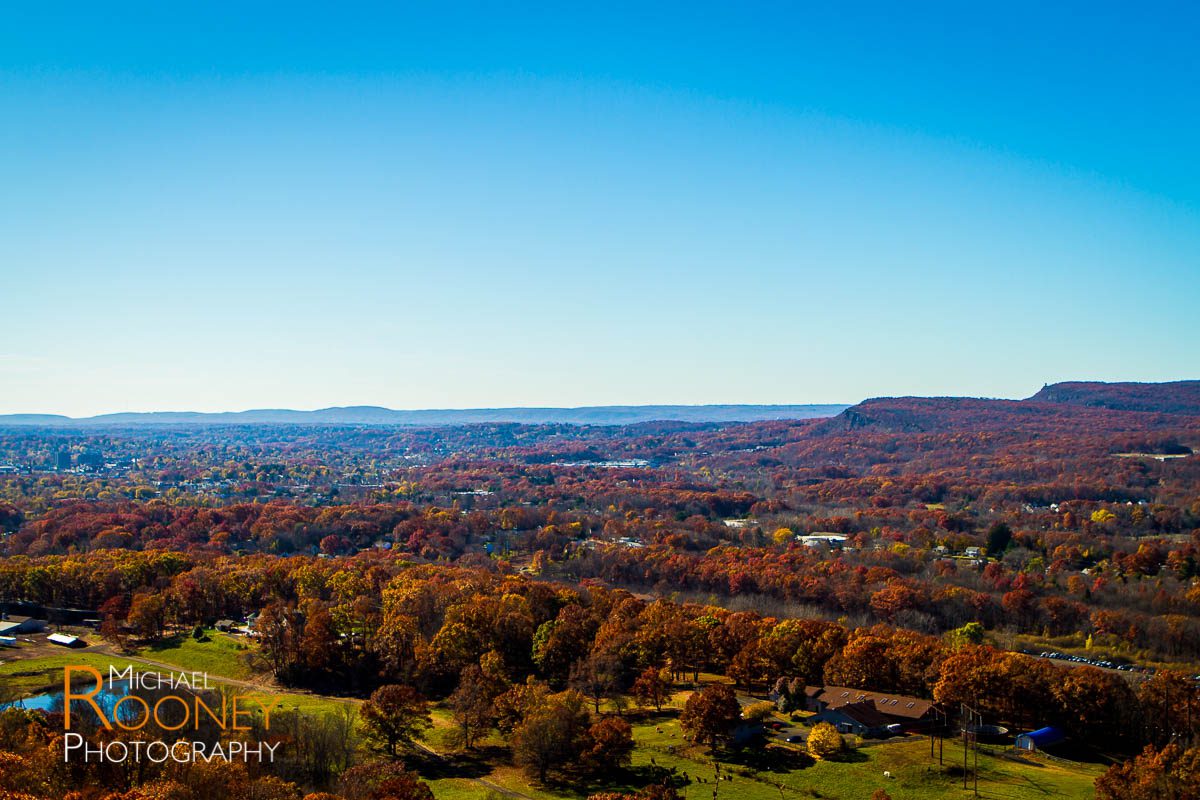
[(208, 207)]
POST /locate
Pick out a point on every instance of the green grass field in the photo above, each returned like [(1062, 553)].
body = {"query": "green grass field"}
[(23, 677), (913, 774), (218, 654), (783, 771), (306, 703), (30, 676)]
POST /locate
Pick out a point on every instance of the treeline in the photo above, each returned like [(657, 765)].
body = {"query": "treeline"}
[(1138, 595), (355, 625)]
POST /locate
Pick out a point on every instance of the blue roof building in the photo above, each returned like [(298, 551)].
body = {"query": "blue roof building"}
[(1041, 738)]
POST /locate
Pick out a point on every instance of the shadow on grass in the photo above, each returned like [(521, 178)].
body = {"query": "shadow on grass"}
[(623, 780), (168, 643), (476, 763), (1022, 760), (851, 757), (768, 759), (651, 717)]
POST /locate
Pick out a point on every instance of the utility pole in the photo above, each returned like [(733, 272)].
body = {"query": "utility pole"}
[(937, 728), (971, 720), (975, 746), (963, 711)]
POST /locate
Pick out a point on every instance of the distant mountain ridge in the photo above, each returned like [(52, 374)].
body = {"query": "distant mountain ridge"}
[(897, 414), (1175, 397), (375, 415), (1083, 403)]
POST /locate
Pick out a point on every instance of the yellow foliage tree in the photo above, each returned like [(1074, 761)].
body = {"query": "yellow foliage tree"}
[(824, 741), (758, 712)]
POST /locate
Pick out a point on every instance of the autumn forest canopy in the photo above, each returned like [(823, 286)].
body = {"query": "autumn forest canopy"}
[(532, 580)]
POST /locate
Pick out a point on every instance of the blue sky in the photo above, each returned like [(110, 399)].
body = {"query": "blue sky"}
[(210, 208)]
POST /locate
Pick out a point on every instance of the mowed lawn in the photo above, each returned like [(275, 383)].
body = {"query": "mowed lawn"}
[(221, 655), (218, 654)]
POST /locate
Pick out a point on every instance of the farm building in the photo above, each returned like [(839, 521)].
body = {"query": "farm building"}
[(1041, 738), (864, 712), (64, 640), (14, 624)]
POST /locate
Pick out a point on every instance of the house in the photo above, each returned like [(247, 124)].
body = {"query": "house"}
[(14, 624), (834, 541), (250, 628), (973, 552), (862, 719), (225, 625), (1040, 739), (863, 712)]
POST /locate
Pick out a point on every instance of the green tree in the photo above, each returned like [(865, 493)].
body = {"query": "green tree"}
[(998, 538), (971, 633)]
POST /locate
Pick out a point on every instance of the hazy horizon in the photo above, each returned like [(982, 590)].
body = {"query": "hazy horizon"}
[(352, 406), (530, 407)]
